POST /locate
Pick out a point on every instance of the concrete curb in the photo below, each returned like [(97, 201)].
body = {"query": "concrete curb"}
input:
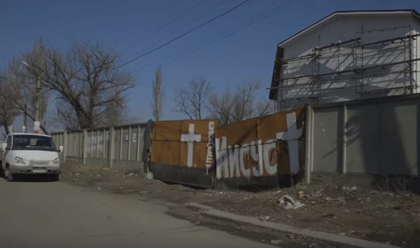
[(290, 229)]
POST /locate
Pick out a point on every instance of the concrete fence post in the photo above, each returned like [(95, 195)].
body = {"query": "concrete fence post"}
[(85, 139), (65, 146), (344, 139), (138, 143), (70, 144), (103, 144), (129, 143), (308, 143), (73, 144), (121, 142), (97, 143), (111, 145)]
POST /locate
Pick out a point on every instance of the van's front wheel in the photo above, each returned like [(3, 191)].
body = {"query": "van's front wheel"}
[(8, 175), (2, 174)]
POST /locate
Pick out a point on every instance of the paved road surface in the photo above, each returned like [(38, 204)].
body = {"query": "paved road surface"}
[(54, 214)]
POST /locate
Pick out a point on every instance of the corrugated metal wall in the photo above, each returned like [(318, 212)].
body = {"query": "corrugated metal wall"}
[(267, 146), (180, 151)]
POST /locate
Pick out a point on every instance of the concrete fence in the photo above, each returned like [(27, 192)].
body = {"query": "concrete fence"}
[(119, 146), (378, 136), (367, 137)]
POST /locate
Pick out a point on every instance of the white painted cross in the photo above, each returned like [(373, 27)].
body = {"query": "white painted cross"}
[(190, 138), (292, 135)]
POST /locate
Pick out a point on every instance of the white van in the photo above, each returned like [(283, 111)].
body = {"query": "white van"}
[(28, 153)]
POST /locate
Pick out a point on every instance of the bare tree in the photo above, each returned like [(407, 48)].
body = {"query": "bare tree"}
[(18, 95), (191, 100), (87, 83), (243, 105), (8, 93), (237, 106), (264, 108), (220, 107), (22, 81), (157, 95)]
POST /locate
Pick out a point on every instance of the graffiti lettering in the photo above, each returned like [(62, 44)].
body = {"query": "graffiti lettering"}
[(256, 158), (209, 157), (257, 170), (244, 158), (234, 160), (221, 158), (271, 168)]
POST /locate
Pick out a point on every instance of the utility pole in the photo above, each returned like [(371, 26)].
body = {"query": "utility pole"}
[(37, 122), (38, 98), (25, 124)]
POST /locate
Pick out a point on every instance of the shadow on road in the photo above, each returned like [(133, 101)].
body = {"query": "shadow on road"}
[(34, 178), (30, 178)]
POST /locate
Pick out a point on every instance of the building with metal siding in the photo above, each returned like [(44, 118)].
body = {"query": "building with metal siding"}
[(349, 55)]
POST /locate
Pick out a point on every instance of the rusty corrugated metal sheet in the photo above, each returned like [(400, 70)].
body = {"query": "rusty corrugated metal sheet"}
[(182, 151), (167, 130), (264, 146), (168, 147)]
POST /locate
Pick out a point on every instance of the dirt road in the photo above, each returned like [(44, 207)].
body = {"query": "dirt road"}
[(54, 214)]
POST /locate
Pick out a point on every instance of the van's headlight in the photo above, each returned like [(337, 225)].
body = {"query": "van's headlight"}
[(56, 161), (20, 160)]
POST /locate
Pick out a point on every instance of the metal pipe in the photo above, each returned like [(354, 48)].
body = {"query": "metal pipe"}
[(342, 72), (389, 40), (338, 44)]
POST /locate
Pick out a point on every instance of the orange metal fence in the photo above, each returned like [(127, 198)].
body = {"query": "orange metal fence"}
[(266, 146), (262, 149), (182, 151)]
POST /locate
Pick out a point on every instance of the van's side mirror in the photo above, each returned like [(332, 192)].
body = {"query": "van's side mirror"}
[(4, 146), (61, 148)]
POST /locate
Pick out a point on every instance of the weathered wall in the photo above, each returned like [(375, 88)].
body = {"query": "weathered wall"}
[(259, 151), (182, 151), (374, 137)]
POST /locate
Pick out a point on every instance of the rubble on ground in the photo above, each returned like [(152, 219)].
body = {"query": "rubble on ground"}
[(334, 207)]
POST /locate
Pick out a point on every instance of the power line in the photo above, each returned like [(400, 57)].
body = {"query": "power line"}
[(168, 23), (183, 26), (179, 16), (185, 33), (199, 17), (227, 32)]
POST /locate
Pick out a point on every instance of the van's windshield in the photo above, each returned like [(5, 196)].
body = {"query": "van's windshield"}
[(33, 142)]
